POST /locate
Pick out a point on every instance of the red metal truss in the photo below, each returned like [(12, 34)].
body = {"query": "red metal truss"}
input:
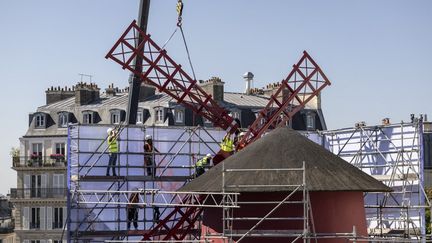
[(159, 70), (302, 84), (178, 224)]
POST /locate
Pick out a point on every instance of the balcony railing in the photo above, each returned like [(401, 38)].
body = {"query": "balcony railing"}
[(39, 161), (57, 225), (34, 225), (19, 193)]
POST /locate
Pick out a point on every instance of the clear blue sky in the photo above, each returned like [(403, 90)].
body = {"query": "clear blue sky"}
[(376, 53)]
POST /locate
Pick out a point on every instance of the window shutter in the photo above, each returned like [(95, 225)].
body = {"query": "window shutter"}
[(61, 181), (42, 218), (25, 218), (64, 218), (43, 241), (122, 115), (44, 185), (26, 241), (26, 186), (49, 218)]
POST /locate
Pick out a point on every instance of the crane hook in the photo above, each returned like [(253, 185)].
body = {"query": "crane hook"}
[(179, 12)]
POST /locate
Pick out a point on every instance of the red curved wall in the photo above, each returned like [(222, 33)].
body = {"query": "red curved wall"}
[(333, 212)]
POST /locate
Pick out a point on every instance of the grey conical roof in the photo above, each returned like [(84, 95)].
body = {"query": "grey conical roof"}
[(285, 148)]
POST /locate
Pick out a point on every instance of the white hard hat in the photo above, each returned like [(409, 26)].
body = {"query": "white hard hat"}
[(242, 134), (109, 130), (147, 137), (208, 155)]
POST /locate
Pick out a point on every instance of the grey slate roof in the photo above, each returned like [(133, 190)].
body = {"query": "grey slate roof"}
[(285, 148)]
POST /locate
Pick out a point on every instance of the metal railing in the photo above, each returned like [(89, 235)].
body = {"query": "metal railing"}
[(19, 193), (39, 161)]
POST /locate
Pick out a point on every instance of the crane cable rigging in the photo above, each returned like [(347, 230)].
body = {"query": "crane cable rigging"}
[(179, 8)]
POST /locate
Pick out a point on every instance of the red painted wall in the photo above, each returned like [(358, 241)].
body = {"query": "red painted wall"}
[(333, 212)]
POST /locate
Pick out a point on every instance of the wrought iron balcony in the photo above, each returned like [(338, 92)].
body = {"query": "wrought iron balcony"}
[(39, 161), (43, 193)]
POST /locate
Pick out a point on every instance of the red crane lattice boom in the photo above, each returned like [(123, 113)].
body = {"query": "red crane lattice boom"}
[(303, 83), (159, 70)]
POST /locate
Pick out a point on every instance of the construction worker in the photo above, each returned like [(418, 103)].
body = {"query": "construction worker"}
[(156, 214), (238, 144), (112, 149), (149, 150), (201, 164), (227, 149), (132, 210)]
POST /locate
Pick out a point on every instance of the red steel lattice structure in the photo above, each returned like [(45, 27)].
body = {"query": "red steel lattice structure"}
[(303, 83), (159, 70)]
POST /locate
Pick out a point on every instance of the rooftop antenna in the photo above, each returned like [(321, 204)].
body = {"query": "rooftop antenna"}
[(85, 75)]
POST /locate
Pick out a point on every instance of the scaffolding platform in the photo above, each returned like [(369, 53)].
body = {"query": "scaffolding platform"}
[(96, 178), (103, 216)]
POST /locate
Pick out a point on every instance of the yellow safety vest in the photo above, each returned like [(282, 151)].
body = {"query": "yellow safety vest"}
[(227, 144), (202, 162), (112, 144)]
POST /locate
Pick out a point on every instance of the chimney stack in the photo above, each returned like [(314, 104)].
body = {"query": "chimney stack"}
[(111, 91), (55, 94), (248, 77), (86, 93), (214, 87)]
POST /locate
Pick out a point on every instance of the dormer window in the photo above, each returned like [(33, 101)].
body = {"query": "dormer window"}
[(235, 114), (140, 117), (40, 120), (88, 117), (160, 114), (310, 121), (63, 119), (117, 116), (179, 116)]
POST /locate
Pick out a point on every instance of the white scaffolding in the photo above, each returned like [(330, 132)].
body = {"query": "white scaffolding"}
[(97, 203), (393, 155), (232, 234)]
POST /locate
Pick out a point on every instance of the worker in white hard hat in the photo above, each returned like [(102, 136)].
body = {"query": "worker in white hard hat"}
[(112, 150), (149, 151), (239, 144), (201, 164)]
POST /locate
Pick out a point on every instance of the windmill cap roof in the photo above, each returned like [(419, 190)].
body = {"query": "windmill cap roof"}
[(284, 148)]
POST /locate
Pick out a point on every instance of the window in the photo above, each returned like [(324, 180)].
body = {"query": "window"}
[(40, 120), (37, 149), (115, 117), (58, 218), (235, 114), (35, 218), (35, 241), (36, 153), (160, 115), (63, 119), (60, 148), (310, 121), (88, 117), (140, 117), (179, 116), (427, 151), (35, 186)]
